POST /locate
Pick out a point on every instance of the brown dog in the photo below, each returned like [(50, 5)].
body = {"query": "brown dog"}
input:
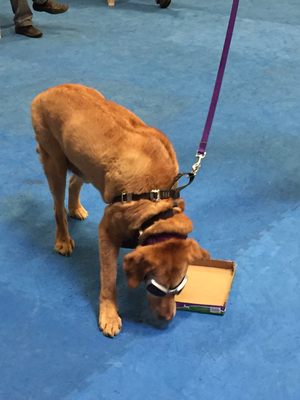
[(101, 142)]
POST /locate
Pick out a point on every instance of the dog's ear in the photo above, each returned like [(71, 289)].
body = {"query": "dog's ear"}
[(135, 267), (195, 252)]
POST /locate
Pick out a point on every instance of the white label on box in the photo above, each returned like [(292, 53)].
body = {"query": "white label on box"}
[(215, 310)]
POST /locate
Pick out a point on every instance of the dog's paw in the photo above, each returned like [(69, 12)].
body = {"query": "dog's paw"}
[(110, 323), (78, 213), (64, 247)]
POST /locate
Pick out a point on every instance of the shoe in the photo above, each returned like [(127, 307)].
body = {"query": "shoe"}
[(51, 7), (163, 3), (29, 31)]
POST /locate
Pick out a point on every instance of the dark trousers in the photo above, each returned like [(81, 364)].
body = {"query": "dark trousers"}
[(22, 11)]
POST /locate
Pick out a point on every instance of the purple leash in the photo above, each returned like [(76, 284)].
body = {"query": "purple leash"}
[(215, 96), (174, 192)]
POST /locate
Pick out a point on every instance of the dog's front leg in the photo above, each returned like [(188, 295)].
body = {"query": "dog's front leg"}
[(109, 321)]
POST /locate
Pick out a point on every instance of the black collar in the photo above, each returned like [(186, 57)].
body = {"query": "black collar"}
[(134, 240), (162, 215), (162, 237)]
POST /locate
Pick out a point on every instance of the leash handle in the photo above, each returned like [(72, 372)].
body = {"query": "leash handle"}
[(219, 79)]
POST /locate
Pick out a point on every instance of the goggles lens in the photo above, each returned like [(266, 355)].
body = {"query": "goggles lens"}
[(158, 290), (155, 291)]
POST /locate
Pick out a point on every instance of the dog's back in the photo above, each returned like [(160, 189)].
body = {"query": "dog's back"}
[(106, 143)]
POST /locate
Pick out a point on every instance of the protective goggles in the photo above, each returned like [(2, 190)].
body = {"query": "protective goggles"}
[(158, 290)]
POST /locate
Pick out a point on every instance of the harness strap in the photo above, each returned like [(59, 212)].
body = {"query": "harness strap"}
[(189, 175), (157, 194), (153, 195)]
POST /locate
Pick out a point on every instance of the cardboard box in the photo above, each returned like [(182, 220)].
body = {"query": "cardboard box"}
[(208, 287)]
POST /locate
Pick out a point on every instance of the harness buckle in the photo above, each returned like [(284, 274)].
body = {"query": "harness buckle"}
[(126, 197), (197, 165), (155, 195)]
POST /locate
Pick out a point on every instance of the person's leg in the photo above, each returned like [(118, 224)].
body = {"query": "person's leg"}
[(49, 6), (23, 14), (23, 19)]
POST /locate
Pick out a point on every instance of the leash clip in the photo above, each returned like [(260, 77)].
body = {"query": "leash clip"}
[(197, 165)]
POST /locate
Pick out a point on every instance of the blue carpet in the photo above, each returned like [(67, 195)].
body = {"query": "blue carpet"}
[(244, 204)]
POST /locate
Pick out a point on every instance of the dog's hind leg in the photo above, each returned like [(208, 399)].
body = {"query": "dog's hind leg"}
[(76, 210), (55, 168)]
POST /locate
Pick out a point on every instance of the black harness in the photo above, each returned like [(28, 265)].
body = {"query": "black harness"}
[(157, 194), (154, 195)]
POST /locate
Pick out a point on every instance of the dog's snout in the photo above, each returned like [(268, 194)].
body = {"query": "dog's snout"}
[(167, 317), (164, 309)]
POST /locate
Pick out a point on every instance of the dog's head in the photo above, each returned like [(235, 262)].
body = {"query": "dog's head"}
[(167, 264)]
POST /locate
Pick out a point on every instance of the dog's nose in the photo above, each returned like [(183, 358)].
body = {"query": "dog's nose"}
[(169, 317), (166, 317)]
